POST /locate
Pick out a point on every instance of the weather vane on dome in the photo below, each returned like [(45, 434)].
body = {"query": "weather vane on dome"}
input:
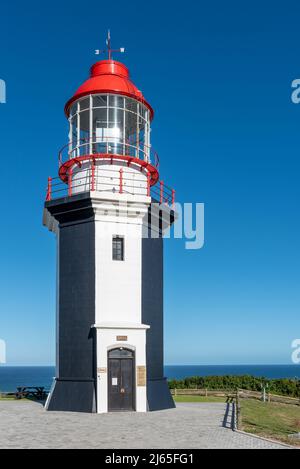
[(109, 50)]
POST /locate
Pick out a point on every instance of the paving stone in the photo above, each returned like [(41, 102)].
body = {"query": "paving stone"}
[(26, 424)]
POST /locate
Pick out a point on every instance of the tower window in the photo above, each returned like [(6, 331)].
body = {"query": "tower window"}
[(118, 248)]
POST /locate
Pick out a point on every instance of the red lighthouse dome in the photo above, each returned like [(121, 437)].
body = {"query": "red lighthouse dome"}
[(109, 76)]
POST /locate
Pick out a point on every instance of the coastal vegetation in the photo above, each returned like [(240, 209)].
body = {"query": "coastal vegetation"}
[(284, 387)]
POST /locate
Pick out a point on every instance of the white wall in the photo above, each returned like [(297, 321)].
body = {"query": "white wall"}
[(119, 286), (118, 283), (106, 339), (107, 178)]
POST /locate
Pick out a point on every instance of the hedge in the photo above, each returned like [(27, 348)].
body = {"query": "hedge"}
[(285, 387)]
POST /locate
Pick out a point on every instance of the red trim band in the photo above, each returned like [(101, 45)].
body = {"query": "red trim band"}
[(64, 170)]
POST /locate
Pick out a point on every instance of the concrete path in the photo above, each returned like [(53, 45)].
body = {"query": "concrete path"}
[(27, 425)]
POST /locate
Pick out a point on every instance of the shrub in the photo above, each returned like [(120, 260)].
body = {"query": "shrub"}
[(285, 387)]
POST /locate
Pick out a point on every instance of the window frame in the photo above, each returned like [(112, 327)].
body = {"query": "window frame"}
[(122, 249)]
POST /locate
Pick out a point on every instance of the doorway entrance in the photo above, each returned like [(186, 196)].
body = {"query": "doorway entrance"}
[(121, 379)]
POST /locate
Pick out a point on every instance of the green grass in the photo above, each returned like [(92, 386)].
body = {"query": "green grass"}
[(11, 398), (272, 420), (198, 399), (7, 399)]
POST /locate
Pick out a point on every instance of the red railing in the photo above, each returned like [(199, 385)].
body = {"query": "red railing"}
[(94, 178), (49, 189), (163, 194)]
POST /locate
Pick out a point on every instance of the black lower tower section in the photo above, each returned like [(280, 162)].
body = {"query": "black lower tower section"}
[(158, 393), (75, 383)]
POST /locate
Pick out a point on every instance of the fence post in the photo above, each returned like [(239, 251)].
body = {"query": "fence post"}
[(161, 199), (148, 184), (70, 182), (238, 409), (121, 181), (49, 189), (93, 177)]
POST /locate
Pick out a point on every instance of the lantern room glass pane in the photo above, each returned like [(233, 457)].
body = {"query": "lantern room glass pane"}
[(84, 104), (142, 111), (74, 127), (73, 132), (115, 130), (131, 134), (100, 126), (142, 138), (85, 121), (116, 118), (100, 101), (131, 105), (116, 101), (73, 109), (99, 119), (84, 118)]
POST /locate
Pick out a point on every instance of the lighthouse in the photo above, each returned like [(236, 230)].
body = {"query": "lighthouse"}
[(109, 210)]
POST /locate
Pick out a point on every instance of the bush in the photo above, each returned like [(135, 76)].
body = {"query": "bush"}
[(284, 387)]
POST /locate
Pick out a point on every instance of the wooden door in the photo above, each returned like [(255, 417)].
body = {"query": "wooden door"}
[(121, 380)]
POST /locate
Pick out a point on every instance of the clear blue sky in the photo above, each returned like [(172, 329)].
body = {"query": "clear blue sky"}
[(218, 75)]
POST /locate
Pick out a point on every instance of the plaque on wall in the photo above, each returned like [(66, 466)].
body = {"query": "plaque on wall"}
[(102, 370), (122, 338), (141, 376)]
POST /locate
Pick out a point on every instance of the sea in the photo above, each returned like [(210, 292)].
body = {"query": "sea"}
[(13, 376)]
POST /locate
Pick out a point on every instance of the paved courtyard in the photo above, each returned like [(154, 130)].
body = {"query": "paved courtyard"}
[(26, 424)]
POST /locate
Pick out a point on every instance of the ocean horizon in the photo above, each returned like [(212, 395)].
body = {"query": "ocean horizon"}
[(13, 376)]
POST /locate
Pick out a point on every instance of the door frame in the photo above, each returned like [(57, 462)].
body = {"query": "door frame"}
[(132, 350)]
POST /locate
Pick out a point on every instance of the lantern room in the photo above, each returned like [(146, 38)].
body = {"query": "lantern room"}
[(109, 124), (109, 115), (108, 147)]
